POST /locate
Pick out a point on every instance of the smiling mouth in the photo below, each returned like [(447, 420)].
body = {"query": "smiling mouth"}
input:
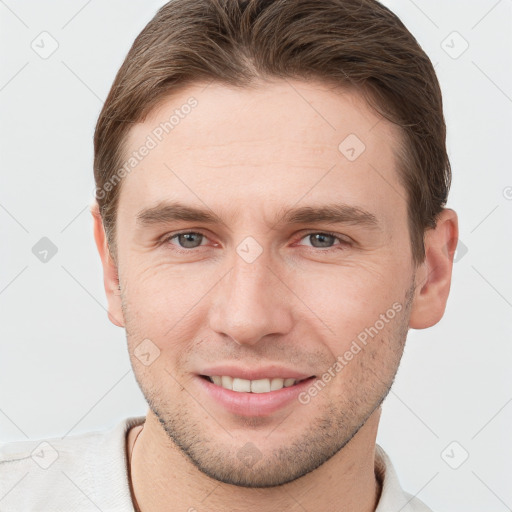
[(252, 386)]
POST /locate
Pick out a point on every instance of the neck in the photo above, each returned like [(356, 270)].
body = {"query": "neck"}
[(159, 469)]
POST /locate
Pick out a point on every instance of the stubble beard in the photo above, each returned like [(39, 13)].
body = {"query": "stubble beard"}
[(260, 467)]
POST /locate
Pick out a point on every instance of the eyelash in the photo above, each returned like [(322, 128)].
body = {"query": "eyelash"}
[(341, 246)]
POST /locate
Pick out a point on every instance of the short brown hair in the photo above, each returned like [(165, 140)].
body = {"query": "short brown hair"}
[(351, 43)]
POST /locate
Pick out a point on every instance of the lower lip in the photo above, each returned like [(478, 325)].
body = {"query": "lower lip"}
[(254, 404)]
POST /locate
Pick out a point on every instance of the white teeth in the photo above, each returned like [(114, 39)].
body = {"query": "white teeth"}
[(241, 385), (260, 386), (252, 386), (276, 384), (227, 382)]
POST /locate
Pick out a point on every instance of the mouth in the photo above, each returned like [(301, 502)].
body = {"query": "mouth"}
[(253, 392), (240, 385)]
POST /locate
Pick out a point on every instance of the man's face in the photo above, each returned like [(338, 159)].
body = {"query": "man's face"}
[(260, 294)]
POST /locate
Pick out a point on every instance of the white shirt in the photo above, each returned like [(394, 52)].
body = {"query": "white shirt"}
[(89, 472)]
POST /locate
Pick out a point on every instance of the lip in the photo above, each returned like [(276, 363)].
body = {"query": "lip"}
[(253, 404), (267, 372)]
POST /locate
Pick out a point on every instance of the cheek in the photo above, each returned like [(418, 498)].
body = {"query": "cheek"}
[(366, 362), (161, 305), (166, 291), (345, 300)]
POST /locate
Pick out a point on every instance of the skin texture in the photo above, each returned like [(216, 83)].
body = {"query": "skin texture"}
[(246, 154)]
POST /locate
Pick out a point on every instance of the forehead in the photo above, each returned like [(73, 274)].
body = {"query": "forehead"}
[(280, 142), (274, 112)]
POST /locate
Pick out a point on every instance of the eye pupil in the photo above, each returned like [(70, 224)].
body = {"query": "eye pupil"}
[(187, 238), (323, 238)]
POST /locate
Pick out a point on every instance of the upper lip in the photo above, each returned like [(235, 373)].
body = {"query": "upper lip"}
[(267, 372)]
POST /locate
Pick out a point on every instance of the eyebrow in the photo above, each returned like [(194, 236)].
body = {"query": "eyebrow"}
[(332, 213)]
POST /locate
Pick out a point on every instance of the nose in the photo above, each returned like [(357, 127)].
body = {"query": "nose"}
[(251, 302)]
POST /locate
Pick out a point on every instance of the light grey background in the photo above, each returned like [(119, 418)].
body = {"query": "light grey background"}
[(64, 369)]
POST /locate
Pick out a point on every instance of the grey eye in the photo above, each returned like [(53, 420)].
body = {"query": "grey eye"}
[(189, 240), (321, 240)]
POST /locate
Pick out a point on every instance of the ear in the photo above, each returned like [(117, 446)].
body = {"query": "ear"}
[(110, 274), (435, 273)]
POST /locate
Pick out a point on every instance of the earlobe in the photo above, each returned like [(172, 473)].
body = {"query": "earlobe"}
[(434, 275), (110, 272)]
